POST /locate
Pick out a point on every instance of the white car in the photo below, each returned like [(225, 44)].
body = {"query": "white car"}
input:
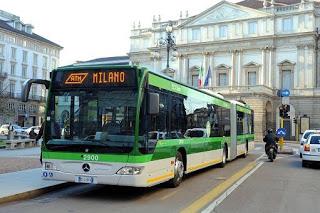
[(305, 137), (36, 129), (311, 150), (17, 130)]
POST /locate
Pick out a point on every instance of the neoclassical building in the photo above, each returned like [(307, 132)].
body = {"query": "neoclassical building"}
[(23, 55), (253, 48)]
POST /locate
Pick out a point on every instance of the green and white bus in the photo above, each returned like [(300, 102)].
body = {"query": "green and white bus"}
[(125, 125)]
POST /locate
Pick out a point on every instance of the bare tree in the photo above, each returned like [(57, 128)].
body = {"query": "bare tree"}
[(5, 112)]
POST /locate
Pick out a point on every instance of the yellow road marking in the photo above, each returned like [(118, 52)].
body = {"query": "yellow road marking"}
[(159, 178), (202, 165), (216, 191), (168, 195)]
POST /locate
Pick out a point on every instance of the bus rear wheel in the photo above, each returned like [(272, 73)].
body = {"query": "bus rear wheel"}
[(178, 171)]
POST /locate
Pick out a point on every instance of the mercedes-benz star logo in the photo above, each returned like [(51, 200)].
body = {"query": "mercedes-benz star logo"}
[(86, 167)]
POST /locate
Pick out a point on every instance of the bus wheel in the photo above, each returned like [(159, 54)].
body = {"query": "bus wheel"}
[(224, 158), (178, 171)]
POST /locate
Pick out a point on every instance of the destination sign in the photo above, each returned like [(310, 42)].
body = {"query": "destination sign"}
[(94, 78)]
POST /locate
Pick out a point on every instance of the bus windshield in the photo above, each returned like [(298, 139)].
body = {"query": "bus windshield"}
[(91, 121)]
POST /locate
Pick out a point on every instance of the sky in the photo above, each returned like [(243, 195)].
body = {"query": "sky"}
[(89, 29)]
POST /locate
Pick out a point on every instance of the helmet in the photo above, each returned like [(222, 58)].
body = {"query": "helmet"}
[(270, 130)]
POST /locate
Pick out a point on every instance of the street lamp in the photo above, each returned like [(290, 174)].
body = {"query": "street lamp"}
[(168, 42)]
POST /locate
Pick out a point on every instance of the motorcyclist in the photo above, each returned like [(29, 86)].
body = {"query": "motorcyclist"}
[(270, 140)]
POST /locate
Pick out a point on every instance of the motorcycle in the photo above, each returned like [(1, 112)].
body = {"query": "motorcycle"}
[(272, 152)]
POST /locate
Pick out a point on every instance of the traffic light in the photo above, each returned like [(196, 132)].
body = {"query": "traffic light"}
[(284, 110), (295, 120)]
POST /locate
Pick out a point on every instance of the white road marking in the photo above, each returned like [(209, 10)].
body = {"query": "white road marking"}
[(216, 202), (257, 148)]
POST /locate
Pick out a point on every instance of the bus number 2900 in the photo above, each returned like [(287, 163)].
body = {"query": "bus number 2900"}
[(90, 157)]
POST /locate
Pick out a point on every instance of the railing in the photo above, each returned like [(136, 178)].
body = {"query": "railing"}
[(289, 8)]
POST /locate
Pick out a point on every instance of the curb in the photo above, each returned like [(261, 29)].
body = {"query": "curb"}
[(33, 193)]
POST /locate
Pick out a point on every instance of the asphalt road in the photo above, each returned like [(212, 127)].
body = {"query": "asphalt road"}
[(282, 184)]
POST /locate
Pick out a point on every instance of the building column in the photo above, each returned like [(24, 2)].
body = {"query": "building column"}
[(306, 73), (263, 67), (232, 73), (185, 76), (211, 64), (311, 83), (296, 74), (240, 72), (271, 70)]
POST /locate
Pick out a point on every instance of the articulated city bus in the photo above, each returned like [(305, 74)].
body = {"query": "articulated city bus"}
[(125, 125)]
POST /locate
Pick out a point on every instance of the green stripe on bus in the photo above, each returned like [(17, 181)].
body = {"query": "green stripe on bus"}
[(183, 90), (164, 149), (243, 138), (243, 109)]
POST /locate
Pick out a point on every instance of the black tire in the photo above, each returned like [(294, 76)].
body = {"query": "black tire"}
[(2, 133), (178, 171), (224, 158)]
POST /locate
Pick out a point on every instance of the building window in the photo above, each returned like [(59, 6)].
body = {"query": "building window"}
[(13, 53), (24, 71), (33, 91), (252, 27), (1, 50), (1, 86), (45, 62), (252, 78), (223, 31), (194, 80), (12, 88), (196, 34), (13, 69), (287, 24), (35, 59), (25, 56), (286, 79), (44, 74), (223, 79), (54, 64), (34, 72)]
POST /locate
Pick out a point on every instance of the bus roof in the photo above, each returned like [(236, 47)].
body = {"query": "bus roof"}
[(108, 66)]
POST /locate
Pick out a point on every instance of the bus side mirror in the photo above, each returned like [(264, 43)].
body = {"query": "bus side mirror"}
[(27, 85), (153, 103)]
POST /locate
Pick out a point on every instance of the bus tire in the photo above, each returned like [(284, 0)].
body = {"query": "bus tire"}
[(178, 171), (224, 158)]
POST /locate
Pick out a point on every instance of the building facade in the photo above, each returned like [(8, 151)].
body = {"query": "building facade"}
[(23, 55), (252, 48)]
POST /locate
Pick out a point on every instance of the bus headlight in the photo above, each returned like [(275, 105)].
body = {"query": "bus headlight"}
[(49, 166), (130, 170)]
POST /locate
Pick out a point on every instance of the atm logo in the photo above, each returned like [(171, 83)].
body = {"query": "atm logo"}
[(76, 78)]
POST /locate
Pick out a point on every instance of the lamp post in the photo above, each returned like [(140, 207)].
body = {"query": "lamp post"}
[(168, 42)]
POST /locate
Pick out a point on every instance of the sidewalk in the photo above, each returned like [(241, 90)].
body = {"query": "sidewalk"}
[(25, 184)]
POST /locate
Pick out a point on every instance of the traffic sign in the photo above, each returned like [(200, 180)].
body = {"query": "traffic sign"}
[(281, 132), (284, 93)]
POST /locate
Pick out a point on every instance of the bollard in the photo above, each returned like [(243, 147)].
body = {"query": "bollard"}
[(281, 143)]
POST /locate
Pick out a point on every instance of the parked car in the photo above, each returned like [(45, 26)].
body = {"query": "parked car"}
[(311, 150), (36, 129), (17, 130), (305, 137)]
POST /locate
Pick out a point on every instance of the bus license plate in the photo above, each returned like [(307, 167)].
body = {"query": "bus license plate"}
[(85, 179)]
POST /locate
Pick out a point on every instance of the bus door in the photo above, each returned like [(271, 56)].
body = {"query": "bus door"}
[(233, 144)]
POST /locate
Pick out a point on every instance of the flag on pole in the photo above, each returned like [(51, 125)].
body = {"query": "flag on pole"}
[(208, 77), (200, 77)]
